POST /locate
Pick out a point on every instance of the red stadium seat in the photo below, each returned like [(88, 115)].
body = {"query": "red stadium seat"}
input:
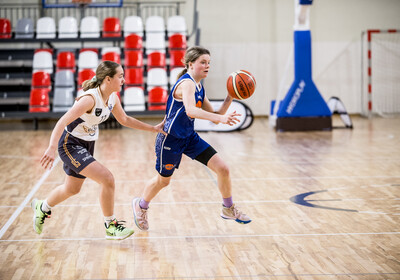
[(111, 27), (177, 41), (85, 74), (5, 28), (157, 99), (133, 59), (134, 76), (39, 100), (176, 58), (41, 79), (112, 56), (133, 41), (156, 60), (66, 61), (89, 49)]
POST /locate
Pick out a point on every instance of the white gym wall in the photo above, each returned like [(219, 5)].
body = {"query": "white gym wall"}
[(257, 35)]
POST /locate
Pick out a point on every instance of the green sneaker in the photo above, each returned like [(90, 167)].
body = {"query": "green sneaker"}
[(38, 215), (116, 231)]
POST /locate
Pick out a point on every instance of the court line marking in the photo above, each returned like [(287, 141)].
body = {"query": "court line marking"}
[(262, 276), (212, 202), (255, 179), (27, 199), (346, 234)]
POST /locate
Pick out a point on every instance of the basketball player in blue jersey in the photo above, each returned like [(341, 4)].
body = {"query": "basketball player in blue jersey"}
[(76, 133), (186, 102)]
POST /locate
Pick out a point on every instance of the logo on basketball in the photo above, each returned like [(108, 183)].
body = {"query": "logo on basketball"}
[(241, 84)]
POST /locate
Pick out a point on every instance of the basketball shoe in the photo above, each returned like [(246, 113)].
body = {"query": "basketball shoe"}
[(38, 215), (232, 213), (116, 231), (139, 214)]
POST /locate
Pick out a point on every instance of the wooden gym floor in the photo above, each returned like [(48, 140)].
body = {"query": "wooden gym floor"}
[(325, 205)]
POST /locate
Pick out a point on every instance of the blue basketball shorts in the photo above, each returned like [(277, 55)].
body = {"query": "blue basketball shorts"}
[(75, 153), (169, 150)]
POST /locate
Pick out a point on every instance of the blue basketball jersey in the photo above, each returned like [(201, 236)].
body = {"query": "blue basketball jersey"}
[(177, 123)]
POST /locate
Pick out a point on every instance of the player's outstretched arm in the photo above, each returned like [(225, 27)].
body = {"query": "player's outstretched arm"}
[(186, 90), (128, 121)]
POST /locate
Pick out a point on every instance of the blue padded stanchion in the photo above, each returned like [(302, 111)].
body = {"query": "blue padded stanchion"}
[(303, 107)]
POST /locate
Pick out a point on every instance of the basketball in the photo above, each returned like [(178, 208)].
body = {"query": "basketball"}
[(241, 84)]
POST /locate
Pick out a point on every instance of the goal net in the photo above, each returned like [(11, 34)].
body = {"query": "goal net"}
[(381, 73)]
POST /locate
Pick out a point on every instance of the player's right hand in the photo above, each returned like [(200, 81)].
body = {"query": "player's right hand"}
[(231, 118), (48, 158)]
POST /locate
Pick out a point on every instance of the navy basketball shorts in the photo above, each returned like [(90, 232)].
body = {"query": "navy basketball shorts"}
[(75, 153), (169, 150)]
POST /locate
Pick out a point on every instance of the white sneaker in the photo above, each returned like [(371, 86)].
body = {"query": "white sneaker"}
[(232, 213), (139, 214)]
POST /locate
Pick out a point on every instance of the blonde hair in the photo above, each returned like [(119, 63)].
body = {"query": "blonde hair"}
[(105, 68), (191, 55)]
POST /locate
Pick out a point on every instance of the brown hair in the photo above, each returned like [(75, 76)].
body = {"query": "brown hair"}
[(191, 55), (105, 68)]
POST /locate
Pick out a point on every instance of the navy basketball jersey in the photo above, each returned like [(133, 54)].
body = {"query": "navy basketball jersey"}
[(177, 122)]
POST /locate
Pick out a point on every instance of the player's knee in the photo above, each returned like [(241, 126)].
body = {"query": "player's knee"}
[(163, 181), (223, 170), (74, 190), (108, 181)]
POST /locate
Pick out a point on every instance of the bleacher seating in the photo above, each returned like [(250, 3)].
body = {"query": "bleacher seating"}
[(157, 99), (176, 58), (5, 28), (155, 34), (111, 54), (66, 61), (24, 28), (133, 42), (174, 74), (177, 41), (67, 28), (157, 77), (156, 60), (45, 28), (133, 59), (39, 100), (134, 77), (176, 24), (88, 59), (41, 79), (43, 61), (134, 99), (153, 67), (90, 27), (85, 74), (133, 25), (111, 27), (64, 88)]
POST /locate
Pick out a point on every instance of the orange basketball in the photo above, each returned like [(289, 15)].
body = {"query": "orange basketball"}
[(241, 84)]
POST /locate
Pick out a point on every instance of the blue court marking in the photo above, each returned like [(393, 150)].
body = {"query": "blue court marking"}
[(301, 200)]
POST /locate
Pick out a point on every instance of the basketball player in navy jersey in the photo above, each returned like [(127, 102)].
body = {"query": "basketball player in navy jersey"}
[(76, 133), (186, 102)]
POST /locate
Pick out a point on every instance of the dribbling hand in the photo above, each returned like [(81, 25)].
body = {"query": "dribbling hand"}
[(230, 119)]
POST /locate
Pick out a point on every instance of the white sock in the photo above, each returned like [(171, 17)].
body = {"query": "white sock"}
[(46, 207), (108, 220)]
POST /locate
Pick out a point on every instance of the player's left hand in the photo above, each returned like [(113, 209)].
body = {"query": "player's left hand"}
[(159, 127)]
